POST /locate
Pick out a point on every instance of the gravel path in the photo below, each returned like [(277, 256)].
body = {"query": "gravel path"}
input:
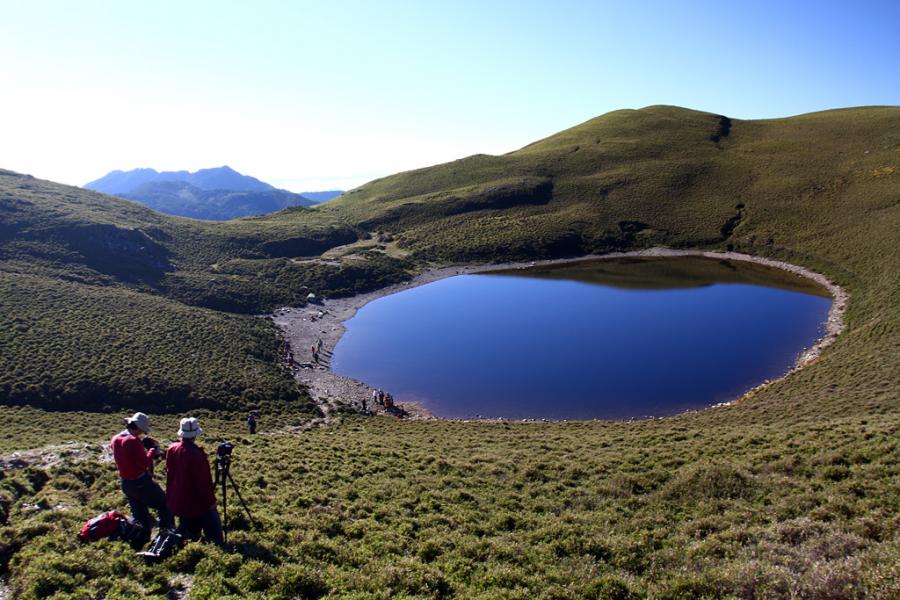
[(303, 327)]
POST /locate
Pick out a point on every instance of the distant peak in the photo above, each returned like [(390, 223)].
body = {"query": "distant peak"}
[(214, 178), (224, 169)]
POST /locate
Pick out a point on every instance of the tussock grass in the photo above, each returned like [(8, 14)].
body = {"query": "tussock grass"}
[(379, 507), (74, 347), (710, 481)]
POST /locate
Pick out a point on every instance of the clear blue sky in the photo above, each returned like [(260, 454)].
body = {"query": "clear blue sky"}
[(312, 95)]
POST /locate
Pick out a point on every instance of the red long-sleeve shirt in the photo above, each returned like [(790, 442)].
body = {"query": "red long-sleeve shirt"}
[(189, 485), (132, 459)]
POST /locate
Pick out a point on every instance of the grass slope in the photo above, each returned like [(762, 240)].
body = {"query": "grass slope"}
[(107, 304), (790, 493), (378, 508), (821, 190), (143, 351)]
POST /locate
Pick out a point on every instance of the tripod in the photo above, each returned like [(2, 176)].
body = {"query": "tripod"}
[(223, 476)]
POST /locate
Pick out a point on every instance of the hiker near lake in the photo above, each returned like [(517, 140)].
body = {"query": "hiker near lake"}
[(134, 462), (191, 493)]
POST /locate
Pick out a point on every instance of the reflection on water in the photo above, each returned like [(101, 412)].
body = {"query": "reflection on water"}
[(654, 273), (594, 339)]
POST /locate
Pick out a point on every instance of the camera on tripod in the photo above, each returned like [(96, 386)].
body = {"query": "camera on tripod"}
[(224, 449), (223, 477)]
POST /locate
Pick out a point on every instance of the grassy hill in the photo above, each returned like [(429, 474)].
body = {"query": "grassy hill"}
[(790, 493), (821, 190), (108, 304), (656, 175)]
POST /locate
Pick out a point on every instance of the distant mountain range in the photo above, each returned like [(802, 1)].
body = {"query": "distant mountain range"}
[(220, 178), (322, 196), (216, 194), (184, 199)]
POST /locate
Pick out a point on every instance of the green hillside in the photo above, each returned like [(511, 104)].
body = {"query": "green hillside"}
[(821, 190), (108, 304), (656, 175), (790, 493)]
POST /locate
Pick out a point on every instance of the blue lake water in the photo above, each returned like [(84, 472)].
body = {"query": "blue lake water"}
[(597, 339)]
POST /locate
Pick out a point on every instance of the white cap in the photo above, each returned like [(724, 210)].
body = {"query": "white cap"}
[(189, 428), (141, 420)]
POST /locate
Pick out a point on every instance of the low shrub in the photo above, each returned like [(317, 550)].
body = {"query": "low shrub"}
[(710, 481)]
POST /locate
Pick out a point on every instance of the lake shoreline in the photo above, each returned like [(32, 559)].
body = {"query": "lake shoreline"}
[(303, 327)]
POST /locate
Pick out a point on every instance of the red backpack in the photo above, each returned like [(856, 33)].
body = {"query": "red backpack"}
[(115, 526)]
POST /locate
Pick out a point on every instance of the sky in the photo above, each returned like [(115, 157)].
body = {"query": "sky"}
[(328, 95)]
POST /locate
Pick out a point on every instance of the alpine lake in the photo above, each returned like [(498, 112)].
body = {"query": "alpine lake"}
[(594, 339)]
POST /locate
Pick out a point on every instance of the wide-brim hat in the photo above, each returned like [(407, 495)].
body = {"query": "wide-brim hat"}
[(140, 420), (189, 428)]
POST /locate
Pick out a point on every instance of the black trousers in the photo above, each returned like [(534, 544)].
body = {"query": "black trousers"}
[(209, 524), (143, 494)]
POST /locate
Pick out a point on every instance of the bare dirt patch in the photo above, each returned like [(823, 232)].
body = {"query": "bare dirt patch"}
[(53, 455)]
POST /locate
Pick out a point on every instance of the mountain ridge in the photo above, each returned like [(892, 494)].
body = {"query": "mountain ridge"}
[(186, 200), (322, 196), (216, 194), (216, 178)]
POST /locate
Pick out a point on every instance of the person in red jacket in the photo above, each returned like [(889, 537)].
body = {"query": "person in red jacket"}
[(190, 493), (134, 461)]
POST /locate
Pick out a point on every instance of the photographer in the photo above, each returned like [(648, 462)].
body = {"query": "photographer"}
[(134, 461), (190, 491)]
